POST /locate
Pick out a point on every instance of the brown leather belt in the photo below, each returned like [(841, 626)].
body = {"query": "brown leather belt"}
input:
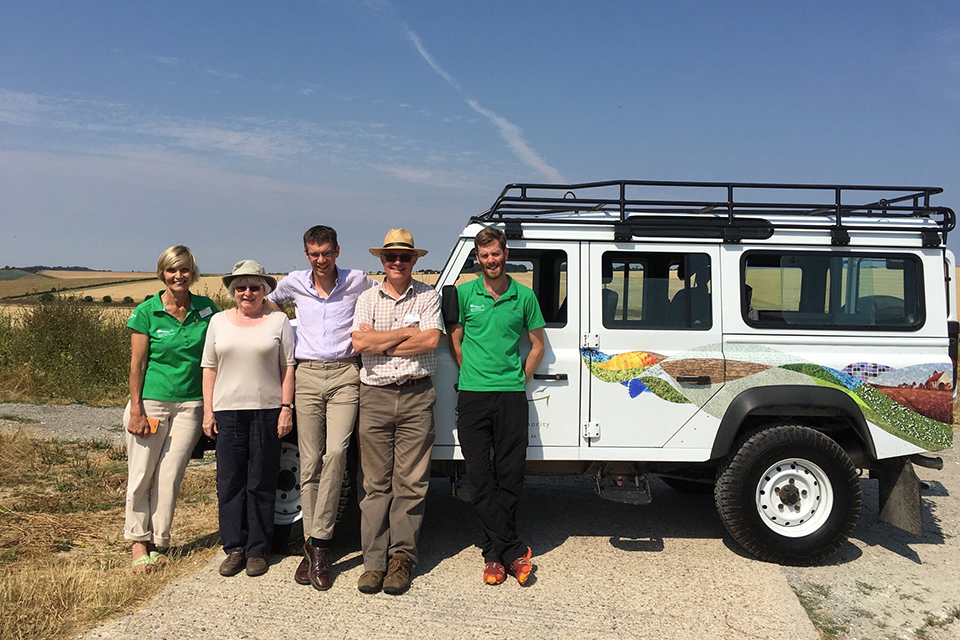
[(406, 383)]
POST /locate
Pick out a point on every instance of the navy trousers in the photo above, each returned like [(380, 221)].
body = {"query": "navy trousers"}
[(248, 462)]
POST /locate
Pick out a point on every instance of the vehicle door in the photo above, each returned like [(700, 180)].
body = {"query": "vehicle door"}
[(653, 341), (552, 271)]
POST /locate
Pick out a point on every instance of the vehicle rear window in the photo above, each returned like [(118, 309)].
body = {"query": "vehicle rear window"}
[(832, 291)]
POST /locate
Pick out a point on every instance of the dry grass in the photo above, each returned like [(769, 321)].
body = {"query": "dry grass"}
[(63, 562)]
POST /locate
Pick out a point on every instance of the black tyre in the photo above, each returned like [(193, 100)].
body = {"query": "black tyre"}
[(789, 495), (691, 487)]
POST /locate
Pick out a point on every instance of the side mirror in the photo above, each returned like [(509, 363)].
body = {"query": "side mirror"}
[(449, 305)]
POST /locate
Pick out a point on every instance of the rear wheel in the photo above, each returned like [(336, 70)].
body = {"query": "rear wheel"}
[(789, 495)]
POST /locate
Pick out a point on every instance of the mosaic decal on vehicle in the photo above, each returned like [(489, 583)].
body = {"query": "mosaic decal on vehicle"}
[(914, 403)]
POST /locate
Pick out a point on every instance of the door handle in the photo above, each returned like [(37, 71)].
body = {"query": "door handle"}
[(693, 379), (549, 376)]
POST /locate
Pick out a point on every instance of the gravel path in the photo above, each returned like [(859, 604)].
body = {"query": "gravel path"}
[(604, 570), (63, 422)]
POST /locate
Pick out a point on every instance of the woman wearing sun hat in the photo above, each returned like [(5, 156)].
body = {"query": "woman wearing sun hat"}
[(248, 389), (162, 418)]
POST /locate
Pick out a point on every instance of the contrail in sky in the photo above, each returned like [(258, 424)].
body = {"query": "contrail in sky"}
[(510, 132)]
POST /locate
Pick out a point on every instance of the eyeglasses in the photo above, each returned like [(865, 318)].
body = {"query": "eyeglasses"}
[(393, 257), (240, 288), (315, 255)]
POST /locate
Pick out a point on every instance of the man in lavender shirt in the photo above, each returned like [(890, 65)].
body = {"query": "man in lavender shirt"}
[(327, 388)]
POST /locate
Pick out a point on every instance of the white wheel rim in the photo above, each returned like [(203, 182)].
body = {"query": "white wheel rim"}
[(794, 497), (288, 508)]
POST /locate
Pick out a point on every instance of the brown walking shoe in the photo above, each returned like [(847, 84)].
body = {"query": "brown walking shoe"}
[(256, 567), (318, 572), (370, 582), (302, 576), (397, 580), (233, 564)]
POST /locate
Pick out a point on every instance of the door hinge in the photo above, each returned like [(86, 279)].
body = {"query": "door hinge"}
[(591, 430), (590, 341)]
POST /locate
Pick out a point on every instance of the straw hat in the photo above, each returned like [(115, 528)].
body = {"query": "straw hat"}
[(250, 268), (398, 239)]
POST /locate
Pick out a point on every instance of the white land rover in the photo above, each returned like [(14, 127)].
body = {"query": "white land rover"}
[(764, 342), (761, 341)]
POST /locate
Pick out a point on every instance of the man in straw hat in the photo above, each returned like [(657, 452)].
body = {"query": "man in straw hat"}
[(327, 389), (396, 328)]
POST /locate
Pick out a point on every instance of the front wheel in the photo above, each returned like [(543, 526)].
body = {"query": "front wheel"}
[(789, 495)]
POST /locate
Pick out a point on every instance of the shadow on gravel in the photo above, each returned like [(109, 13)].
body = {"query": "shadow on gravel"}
[(203, 542), (554, 509)]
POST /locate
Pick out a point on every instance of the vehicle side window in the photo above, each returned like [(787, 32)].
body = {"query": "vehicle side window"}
[(832, 290), (543, 270), (641, 290)]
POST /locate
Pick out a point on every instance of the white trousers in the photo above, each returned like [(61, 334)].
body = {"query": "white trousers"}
[(155, 467)]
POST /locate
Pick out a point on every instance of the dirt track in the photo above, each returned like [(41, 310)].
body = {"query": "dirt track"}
[(604, 570)]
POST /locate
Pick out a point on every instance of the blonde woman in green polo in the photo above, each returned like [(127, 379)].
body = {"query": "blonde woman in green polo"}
[(164, 415)]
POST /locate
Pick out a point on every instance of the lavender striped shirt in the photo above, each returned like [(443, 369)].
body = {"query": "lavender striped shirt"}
[(323, 325)]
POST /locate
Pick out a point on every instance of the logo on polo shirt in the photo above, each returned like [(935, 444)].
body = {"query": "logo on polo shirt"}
[(165, 333), (474, 307)]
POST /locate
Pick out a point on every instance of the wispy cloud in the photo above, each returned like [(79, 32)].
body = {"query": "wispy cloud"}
[(304, 91), (509, 132), (431, 177), (170, 61), (223, 74), (84, 125)]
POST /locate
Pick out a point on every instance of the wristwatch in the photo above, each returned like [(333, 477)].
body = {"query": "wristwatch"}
[(287, 405)]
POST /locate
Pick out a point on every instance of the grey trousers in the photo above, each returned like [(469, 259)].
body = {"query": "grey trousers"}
[(326, 400), (396, 438)]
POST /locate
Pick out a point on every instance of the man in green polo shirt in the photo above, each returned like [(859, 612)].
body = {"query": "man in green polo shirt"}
[(492, 408)]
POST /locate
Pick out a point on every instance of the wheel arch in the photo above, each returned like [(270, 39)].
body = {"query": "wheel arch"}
[(791, 402)]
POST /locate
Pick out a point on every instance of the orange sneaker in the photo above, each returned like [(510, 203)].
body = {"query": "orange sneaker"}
[(521, 567), (494, 573)]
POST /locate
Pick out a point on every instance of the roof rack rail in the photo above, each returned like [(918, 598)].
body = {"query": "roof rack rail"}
[(649, 202)]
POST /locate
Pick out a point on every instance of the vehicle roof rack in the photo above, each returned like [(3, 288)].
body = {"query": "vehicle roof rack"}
[(746, 209)]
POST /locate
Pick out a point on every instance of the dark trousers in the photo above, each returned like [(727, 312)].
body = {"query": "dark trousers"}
[(248, 462), (496, 419)]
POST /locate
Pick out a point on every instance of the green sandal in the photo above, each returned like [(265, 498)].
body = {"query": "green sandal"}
[(146, 561), (158, 558)]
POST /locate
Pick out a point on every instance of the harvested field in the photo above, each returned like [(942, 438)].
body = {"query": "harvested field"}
[(932, 403), (95, 275)]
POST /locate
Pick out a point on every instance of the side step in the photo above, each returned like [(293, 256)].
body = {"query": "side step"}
[(622, 488)]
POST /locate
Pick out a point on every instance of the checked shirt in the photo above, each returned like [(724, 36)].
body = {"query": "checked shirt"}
[(418, 306)]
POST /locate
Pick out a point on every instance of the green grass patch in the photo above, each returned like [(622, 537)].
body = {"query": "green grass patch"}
[(64, 350)]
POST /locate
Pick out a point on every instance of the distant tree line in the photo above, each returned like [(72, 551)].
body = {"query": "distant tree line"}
[(39, 267)]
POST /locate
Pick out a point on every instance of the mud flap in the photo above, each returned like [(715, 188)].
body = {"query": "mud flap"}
[(900, 503)]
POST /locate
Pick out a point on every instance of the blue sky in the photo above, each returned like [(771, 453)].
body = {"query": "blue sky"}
[(233, 126)]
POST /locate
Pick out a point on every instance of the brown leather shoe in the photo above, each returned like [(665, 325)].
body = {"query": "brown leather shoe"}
[(302, 576), (233, 564), (318, 571), (397, 580), (370, 582)]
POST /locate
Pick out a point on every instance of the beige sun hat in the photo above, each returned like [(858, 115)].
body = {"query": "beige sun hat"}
[(398, 239), (250, 268)]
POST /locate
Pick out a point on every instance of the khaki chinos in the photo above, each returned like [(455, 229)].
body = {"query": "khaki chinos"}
[(326, 401), (396, 439)]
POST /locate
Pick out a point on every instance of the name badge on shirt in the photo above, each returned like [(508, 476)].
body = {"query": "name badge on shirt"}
[(205, 312), (411, 319)]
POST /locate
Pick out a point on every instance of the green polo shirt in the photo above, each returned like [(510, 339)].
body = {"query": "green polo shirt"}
[(491, 335), (173, 357)]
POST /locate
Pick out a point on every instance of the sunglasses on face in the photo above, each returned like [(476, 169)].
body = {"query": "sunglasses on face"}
[(393, 257), (315, 255), (241, 288)]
